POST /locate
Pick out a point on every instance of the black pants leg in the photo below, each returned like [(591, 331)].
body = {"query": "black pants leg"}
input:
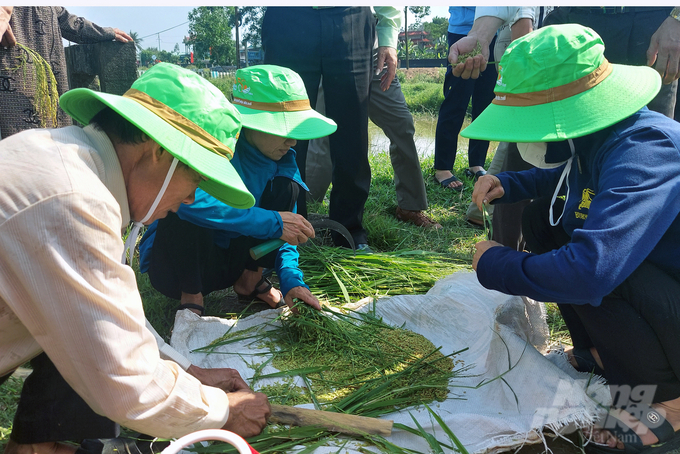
[(636, 328), (335, 43), (186, 259), (50, 410)]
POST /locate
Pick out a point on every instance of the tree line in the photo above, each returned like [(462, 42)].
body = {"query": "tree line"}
[(210, 33)]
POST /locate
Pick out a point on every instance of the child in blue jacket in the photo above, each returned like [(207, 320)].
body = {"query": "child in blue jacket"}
[(205, 246)]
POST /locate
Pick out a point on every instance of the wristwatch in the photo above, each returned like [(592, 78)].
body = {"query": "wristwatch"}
[(675, 13)]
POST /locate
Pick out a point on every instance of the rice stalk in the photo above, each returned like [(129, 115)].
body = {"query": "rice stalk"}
[(46, 92)]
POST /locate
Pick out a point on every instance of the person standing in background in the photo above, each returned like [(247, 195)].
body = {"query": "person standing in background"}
[(457, 94), (41, 29), (388, 110), (337, 43)]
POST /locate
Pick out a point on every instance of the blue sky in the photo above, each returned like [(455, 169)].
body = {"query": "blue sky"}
[(150, 21)]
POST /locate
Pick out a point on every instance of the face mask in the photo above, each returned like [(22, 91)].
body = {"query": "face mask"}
[(534, 153)]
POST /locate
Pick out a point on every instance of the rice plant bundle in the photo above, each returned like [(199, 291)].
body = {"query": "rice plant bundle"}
[(338, 275), (46, 94)]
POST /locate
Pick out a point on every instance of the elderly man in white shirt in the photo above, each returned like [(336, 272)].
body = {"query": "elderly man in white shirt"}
[(65, 196)]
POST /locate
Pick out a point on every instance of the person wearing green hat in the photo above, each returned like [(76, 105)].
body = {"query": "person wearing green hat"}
[(205, 246), (607, 252), (68, 302)]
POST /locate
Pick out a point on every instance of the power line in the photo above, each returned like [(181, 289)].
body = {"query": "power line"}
[(156, 33)]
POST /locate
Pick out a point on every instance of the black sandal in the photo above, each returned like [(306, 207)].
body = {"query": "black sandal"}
[(445, 183), (668, 439), (259, 290), (470, 174), (192, 306)]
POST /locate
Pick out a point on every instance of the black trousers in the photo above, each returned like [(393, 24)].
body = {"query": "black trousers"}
[(186, 259), (457, 94), (335, 43), (50, 410), (636, 329)]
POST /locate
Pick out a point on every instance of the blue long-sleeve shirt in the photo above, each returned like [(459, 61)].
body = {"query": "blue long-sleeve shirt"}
[(622, 209), (256, 170)]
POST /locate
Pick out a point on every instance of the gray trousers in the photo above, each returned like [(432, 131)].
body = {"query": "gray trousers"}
[(388, 110)]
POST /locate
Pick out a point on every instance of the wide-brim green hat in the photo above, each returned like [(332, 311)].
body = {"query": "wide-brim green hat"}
[(555, 84), (273, 99), (186, 115)]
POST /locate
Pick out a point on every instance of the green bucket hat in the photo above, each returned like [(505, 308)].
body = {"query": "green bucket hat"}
[(555, 84), (185, 114), (273, 99)]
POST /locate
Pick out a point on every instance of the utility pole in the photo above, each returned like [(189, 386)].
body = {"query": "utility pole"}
[(245, 44), (406, 33), (159, 44), (238, 52)]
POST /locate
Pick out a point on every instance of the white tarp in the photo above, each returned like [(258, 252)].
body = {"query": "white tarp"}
[(502, 334)]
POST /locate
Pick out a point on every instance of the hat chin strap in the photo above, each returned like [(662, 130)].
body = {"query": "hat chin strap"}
[(137, 225), (565, 175)]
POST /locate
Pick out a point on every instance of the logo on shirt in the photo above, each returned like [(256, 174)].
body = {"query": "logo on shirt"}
[(586, 198)]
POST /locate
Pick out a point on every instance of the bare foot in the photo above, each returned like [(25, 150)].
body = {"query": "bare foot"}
[(245, 285), (442, 175), (39, 448), (670, 410)]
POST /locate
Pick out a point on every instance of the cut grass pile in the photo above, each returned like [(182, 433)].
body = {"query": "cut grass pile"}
[(350, 362), (338, 275)]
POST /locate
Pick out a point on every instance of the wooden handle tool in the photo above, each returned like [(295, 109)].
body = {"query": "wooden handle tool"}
[(335, 422)]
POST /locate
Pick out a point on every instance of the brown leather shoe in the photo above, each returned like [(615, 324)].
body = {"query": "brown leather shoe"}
[(417, 218)]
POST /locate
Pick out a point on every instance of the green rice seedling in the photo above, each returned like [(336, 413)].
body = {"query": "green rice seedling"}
[(340, 276)]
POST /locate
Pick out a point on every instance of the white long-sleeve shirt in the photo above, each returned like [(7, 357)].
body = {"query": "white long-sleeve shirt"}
[(63, 290)]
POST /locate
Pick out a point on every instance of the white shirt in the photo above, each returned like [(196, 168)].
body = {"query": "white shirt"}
[(63, 290), (509, 14)]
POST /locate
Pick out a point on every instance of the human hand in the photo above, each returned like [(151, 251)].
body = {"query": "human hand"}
[(664, 48), (248, 413), (487, 188), (386, 56), (228, 380), (122, 36), (7, 38), (472, 66), (481, 248), (302, 293), (296, 229)]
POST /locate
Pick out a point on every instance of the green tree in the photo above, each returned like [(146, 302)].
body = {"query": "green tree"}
[(210, 31), (137, 40), (167, 57), (437, 28), (419, 12), (146, 56), (250, 25)]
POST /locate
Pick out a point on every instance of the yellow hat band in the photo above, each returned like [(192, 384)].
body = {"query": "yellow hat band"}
[(181, 123), (557, 93), (283, 106)]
